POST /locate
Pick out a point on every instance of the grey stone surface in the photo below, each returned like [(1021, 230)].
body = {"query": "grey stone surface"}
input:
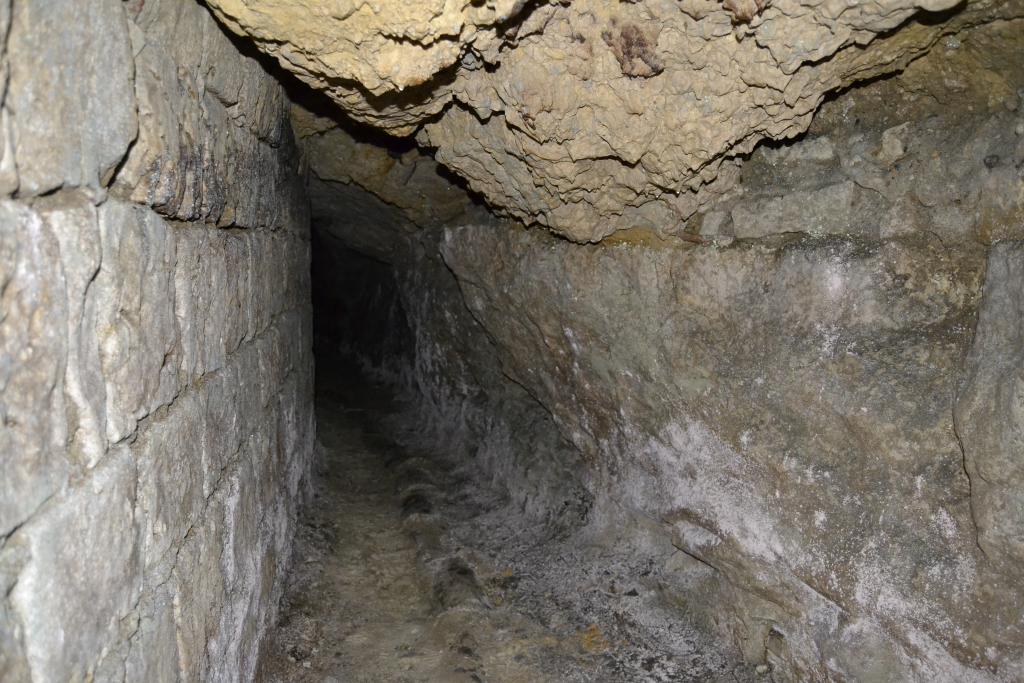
[(154, 652), (74, 598), (155, 371), (990, 412), (931, 151), (954, 175), (811, 211), (136, 317), (213, 126), (784, 410), (69, 98), (34, 348), (74, 221)]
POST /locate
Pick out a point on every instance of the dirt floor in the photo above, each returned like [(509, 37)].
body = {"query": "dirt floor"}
[(406, 570)]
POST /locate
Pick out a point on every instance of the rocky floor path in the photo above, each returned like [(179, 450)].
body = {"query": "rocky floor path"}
[(405, 572)]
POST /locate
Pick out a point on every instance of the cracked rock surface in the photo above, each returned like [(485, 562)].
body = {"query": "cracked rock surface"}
[(155, 370)]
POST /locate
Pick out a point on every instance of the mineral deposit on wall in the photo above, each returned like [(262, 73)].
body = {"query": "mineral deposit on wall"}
[(818, 407)]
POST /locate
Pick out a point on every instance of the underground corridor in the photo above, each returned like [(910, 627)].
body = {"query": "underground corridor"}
[(415, 562), (512, 342)]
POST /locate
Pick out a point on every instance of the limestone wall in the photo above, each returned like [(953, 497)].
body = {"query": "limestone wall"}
[(807, 426), (155, 346)]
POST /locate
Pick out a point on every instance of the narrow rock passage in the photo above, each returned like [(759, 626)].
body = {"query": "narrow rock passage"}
[(403, 571)]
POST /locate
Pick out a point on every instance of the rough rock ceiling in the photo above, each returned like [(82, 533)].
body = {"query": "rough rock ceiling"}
[(591, 117)]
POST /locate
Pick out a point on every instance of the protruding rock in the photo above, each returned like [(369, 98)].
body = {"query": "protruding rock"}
[(591, 117)]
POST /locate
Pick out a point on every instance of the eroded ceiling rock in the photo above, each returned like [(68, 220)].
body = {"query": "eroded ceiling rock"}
[(560, 134), (591, 117), (397, 172), (377, 58)]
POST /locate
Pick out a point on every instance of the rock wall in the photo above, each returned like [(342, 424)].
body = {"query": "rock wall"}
[(809, 420), (990, 413), (785, 412), (155, 344), (820, 402), (389, 301)]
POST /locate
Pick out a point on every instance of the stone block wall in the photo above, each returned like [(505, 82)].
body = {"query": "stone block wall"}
[(155, 344)]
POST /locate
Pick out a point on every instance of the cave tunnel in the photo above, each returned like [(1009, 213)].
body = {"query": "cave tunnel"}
[(512, 341)]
